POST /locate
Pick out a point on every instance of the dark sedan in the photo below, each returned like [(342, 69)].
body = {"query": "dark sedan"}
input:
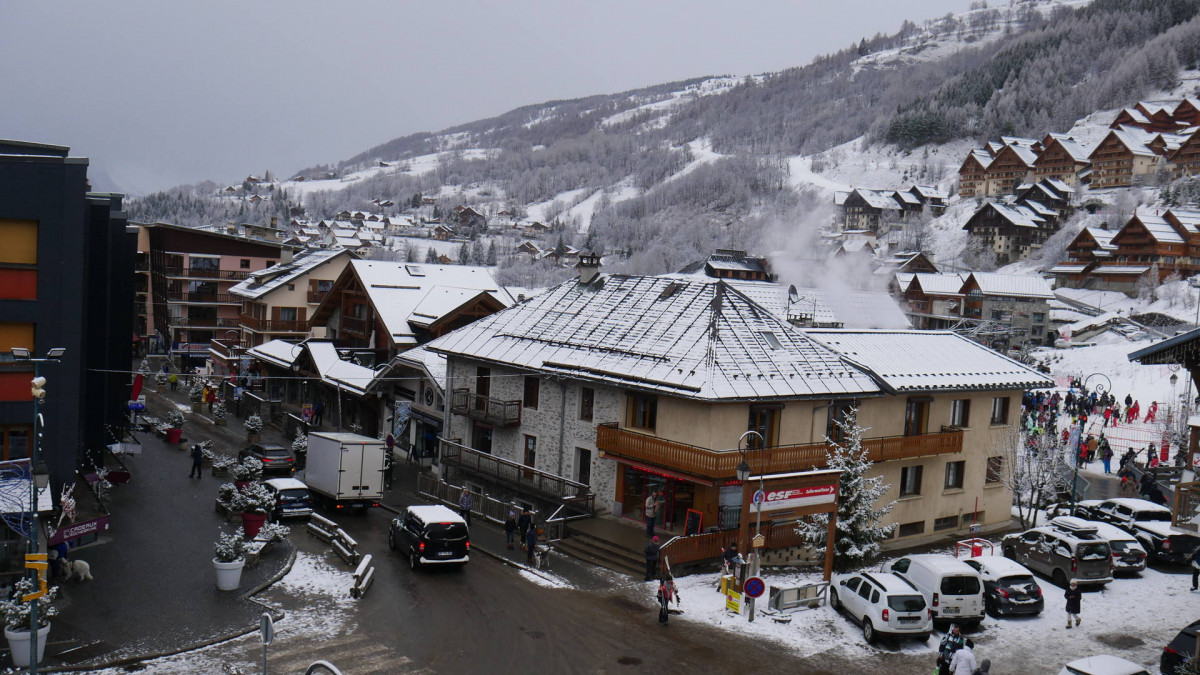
[(1008, 588), (275, 459)]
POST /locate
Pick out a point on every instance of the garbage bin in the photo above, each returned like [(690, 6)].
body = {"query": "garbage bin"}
[(173, 436)]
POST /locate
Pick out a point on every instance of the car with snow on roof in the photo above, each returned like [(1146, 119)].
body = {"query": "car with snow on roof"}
[(1069, 549), (1008, 588), (884, 604), (1151, 524), (1102, 664)]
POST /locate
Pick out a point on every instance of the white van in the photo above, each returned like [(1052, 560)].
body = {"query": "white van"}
[(952, 588)]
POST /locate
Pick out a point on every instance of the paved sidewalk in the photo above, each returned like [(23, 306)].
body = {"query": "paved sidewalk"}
[(154, 589)]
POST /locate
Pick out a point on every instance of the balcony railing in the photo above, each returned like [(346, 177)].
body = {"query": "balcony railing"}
[(315, 297), (508, 471), (355, 325), (718, 464), (273, 325), (226, 349), (204, 273), (189, 322), (203, 298), (483, 408)]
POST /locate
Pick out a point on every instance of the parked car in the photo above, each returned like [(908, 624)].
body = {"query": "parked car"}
[(1151, 524), (1127, 554), (430, 535), (1179, 650), (885, 605), (953, 589), (292, 499), (275, 458), (1065, 550), (1008, 588), (1102, 664)]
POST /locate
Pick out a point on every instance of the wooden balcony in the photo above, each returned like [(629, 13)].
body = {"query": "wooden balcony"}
[(202, 322), (486, 409), (273, 325), (315, 297), (361, 327), (204, 273), (203, 298), (721, 464)]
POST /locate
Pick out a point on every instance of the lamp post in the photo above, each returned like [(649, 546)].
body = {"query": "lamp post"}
[(40, 478), (743, 474)]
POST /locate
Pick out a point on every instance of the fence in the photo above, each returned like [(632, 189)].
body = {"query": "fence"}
[(363, 576), (328, 531), (482, 505)]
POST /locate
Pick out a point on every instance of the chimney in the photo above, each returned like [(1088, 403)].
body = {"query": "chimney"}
[(285, 255), (589, 267)]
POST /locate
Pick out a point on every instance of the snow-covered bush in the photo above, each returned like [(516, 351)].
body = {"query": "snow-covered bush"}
[(248, 469), (254, 424), (219, 412), (226, 492), (300, 444), (274, 532), (253, 498), (230, 547), (175, 419), (160, 378), (196, 393), (16, 612), (223, 461)]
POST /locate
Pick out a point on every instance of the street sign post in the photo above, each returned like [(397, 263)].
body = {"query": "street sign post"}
[(266, 629), (754, 587)]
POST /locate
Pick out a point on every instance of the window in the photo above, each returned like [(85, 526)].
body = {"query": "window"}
[(771, 340), (245, 263), (1039, 317), (483, 381), (864, 591), (971, 518), (1000, 410), (910, 529), (960, 413), (853, 583), (910, 481), (532, 386), (587, 401), (643, 411), (530, 451), (947, 523), (583, 466), (287, 313), (762, 420), (901, 565), (954, 475), (916, 416), (291, 287), (995, 469), (839, 411), (1036, 331), (324, 286)]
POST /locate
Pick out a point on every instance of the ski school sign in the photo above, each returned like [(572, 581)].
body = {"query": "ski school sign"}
[(788, 498)]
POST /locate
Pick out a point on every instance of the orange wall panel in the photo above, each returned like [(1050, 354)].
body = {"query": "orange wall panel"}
[(14, 386), (18, 241), (15, 335), (18, 284)]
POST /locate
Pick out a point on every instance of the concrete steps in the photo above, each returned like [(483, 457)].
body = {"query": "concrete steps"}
[(603, 553)]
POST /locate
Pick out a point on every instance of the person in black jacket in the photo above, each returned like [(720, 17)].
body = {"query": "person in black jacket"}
[(1074, 597), (510, 529), (523, 523), (652, 551), (197, 460)]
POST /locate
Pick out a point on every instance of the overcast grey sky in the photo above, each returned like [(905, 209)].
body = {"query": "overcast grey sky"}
[(159, 92)]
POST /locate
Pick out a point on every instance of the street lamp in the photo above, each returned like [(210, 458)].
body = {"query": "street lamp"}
[(743, 473), (40, 478)]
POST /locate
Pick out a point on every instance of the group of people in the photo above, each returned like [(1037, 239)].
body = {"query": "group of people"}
[(956, 655), (520, 528)]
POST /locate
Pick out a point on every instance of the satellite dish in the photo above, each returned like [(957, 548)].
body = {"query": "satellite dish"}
[(793, 294)]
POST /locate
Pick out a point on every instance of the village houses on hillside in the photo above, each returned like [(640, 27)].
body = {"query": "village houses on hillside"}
[(1151, 244)]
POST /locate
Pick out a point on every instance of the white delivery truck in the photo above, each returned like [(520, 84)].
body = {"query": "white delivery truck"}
[(345, 470)]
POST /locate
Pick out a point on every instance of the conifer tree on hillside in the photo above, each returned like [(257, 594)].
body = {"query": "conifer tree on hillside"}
[(431, 255), (858, 528)]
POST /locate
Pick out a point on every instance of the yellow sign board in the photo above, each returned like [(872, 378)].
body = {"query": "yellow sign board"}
[(733, 601), (39, 562), (759, 541)]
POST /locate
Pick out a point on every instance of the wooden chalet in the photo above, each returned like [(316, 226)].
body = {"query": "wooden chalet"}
[(1010, 231), (972, 175), (1012, 166), (931, 197), (873, 210), (1062, 158), (1185, 159), (1123, 158), (1187, 113)]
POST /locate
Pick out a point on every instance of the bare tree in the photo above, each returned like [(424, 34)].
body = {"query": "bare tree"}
[(1032, 468)]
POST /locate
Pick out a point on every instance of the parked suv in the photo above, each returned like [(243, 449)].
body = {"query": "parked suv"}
[(884, 604), (1068, 549), (274, 458), (1180, 650), (953, 589), (1151, 524), (430, 535), (1008, 588), (1127, 553)]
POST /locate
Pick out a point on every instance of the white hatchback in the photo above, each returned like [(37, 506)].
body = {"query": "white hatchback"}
[(884, 604), (1102, 664)]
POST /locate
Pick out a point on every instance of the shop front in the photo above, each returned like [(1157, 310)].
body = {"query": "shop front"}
[(680, 494)]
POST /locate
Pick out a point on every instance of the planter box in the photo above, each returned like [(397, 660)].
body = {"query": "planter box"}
[(254, 549), (220, 470), (230, 515), (197, 408), (220, 423), (253, 437)]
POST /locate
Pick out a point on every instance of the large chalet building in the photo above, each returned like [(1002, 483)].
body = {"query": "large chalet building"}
[(1014, 228), (878, 211), (619, 386), (1149, 243), (1002, 167), (1015, 306)]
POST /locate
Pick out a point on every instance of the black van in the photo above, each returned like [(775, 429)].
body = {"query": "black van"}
[(430, 535)]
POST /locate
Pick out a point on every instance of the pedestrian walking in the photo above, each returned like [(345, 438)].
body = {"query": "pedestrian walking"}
[(652, 551), (197, 460), (950, 644), (464, 505), (1074, 597), (174, 381), (1151, 412), (530, 544), (318, 413), (510, 529), (650, 511), (389, 466), (210, 398), (1195, 567), (1151, 455), (667, 593), (1106, 454), (524, 521), (963, 662), (1128, 400)]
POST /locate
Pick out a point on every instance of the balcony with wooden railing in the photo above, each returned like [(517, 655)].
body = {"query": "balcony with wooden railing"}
[(315, 297), (721, 464), (204, 273), (202, 322), (486, 409), (203, 298), (351, 324), (273, 325)]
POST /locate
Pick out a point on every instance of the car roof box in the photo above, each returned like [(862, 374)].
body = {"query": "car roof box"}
[(1074, 525)]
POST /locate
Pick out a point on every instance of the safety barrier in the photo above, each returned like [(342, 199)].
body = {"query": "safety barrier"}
[(363, 576), (329, 532)]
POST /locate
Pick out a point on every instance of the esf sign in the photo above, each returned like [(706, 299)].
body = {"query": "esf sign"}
[(791, 498)]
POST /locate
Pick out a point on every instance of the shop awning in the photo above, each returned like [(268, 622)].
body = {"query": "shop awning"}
[(659, 470)]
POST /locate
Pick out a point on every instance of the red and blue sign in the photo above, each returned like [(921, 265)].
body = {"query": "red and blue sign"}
[(754, 587)]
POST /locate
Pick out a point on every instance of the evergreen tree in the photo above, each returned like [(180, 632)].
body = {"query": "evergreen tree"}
[(431, 255), (492, 258), (464, 254), (410, 253), (415, 201), (858, 529)]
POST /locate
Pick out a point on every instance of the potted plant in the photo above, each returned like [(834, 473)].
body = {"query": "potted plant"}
[(229, 559), (206, 453), (221, 465), (254, 502), (175, 431), (160, 381), (219, 414), (272, 533), (300, 449), (254, 426), (247, 471), (196, 393), (17, 623)]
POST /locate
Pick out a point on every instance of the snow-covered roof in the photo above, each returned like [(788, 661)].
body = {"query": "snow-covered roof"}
[(903, 279), (1068, 268), (264, 281), (1122, 269), (940, 284), (982, 156), (1016, 215), (856, 245), (347, 242), (845, 308), (907, 198), (1135, 114), (333, 370), (928, 192), (1102, 236), (398, 291), (699, 339), (1189, 220), (1039, 209), (1071, 146), (880, 199), (345, 232), (1159, 229), (432, 363), (1062, 188), (1133, 139), (1014, 285), (277, 352)]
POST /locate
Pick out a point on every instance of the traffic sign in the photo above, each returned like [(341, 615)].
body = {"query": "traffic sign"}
[(754, 587), (266, 629), (758, 497)]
